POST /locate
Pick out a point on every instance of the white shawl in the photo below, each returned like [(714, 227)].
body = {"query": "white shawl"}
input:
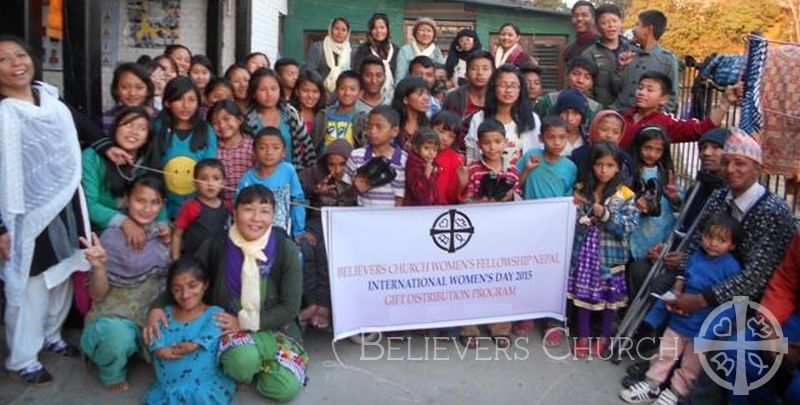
[(388, 85), (428, 51), (329, 47), (40, 170), (500, 56)]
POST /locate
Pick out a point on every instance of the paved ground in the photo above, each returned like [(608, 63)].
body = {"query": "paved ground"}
[(411, 373)]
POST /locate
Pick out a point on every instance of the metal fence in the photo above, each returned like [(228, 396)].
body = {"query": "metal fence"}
[(686, 155)]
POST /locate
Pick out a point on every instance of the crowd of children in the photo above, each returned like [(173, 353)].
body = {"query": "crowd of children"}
[(386, 127)]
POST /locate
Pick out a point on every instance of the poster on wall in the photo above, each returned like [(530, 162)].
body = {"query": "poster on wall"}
[(51, 57), (109, 32), (153, 23)]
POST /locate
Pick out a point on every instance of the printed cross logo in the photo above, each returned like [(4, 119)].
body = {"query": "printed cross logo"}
[(730, 344), (452, 231)]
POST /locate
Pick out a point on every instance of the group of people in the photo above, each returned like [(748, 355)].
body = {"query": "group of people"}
[(205, 193)]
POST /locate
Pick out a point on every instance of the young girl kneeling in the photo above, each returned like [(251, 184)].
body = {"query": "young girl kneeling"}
[(185, 356)]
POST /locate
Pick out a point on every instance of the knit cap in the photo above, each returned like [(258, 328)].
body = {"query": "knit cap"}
[(571, 98), (716, 136), (741, 144), (425, 20)]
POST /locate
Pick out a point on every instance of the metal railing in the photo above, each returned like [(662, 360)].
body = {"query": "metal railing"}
[(686, 155)]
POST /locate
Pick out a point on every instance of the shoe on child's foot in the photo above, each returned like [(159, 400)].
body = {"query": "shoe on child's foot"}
[(641, 392), (365, 338), (523, 328), (33, 375), (63, 348), (667, 397), (581, 349), (553, 337)]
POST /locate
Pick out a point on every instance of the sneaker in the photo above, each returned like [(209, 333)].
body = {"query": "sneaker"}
[(63, 348), (33, 375), (639, 393), (365, 338), (553, 337), (667, 397)]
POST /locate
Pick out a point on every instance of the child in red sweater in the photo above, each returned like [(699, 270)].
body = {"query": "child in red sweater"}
[(421, 171), (453, 174), (654, 91)]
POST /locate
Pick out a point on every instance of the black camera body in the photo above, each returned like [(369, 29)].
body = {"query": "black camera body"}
[(651, 191), (495, 187), (378, 171)]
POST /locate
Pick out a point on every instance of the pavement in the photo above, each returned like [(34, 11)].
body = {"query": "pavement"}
[(416, 371)]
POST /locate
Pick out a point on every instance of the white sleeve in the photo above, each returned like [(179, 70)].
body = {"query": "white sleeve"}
[(471, 139)]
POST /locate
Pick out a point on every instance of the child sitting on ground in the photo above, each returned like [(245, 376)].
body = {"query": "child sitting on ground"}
[(712, 264), (185, 356)]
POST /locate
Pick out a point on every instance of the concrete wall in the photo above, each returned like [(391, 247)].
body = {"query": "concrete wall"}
[(266, 26)]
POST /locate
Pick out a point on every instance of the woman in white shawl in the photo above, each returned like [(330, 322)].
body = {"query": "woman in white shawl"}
[(42, 210), (423, 43), (379, 43), (331, 56)]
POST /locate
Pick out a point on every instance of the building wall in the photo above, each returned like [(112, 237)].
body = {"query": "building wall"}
[(193, 35), (266, 26), (315, 15)]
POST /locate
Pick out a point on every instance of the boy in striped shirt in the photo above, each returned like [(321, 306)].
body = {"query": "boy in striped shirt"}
[(383, 125)]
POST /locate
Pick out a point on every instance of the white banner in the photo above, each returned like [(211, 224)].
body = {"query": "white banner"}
[(442, 266)]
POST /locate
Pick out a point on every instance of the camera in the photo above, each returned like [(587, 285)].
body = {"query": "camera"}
[(651, 191), (495, 187)]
